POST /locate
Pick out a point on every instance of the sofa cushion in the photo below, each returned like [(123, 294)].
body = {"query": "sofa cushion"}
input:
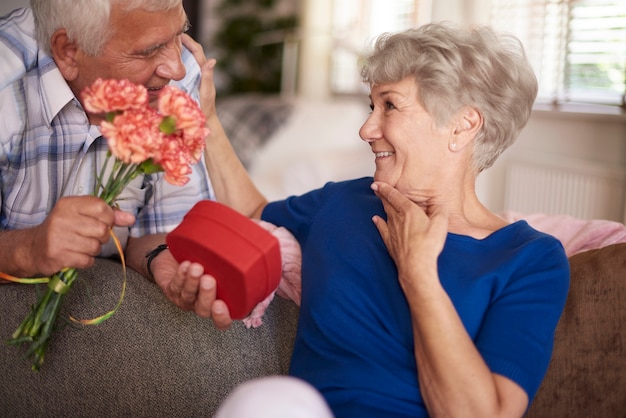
[(587, 375), (149, 359)]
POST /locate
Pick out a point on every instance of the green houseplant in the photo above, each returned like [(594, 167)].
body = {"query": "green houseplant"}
[(250, 41)]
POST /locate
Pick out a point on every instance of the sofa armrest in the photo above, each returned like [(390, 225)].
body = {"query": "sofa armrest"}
[(149, 359), (587, 374)]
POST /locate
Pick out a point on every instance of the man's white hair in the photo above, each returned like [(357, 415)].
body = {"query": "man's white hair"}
[(86, 21)]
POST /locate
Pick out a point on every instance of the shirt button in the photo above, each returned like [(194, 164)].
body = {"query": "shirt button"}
[(80, 189)]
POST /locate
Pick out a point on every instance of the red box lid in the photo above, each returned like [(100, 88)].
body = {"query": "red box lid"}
[(243, 257)]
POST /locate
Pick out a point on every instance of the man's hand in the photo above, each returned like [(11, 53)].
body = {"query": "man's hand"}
[(74, 232), (71, 236), (184, 284), (190, 289)]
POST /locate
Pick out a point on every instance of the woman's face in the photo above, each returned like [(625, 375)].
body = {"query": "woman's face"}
[(409, 148)]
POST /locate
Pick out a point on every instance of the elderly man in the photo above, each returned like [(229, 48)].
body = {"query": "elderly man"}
[(50, 148)]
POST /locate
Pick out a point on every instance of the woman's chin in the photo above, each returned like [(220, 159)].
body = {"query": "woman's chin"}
[(382, 177)]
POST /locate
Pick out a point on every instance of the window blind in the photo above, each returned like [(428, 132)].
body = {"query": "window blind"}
[(577, 47)]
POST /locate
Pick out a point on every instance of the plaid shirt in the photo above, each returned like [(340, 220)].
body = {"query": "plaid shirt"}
[(49, 150)]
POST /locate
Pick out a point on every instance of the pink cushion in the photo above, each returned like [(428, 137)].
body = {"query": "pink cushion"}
[(576, 235)]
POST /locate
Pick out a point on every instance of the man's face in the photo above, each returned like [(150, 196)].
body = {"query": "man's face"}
[(145, 48)]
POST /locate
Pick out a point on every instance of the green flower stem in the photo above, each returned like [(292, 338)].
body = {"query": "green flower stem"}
[(121, 175), (113, 178), (37, 327), (99, 184)]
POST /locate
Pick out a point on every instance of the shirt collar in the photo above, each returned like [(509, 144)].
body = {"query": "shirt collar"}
[(55, 90)]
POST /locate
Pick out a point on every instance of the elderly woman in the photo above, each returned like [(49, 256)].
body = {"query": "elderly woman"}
[(416, 299)]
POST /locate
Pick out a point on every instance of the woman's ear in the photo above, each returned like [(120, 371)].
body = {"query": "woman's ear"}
[(64, 52), (467, 124)]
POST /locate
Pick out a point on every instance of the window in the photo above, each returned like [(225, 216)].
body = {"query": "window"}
[(577, 47), (355, 24)]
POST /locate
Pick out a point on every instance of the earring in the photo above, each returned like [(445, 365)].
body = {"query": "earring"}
[(453, 146)]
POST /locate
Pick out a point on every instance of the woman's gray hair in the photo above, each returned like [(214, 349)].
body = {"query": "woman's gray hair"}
[(456, 67), (86, 21)]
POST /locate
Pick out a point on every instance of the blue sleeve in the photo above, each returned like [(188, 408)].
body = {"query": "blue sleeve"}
[(517, 334), (296, 213)]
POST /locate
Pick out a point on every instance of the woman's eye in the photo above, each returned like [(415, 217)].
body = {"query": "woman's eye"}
[(386, 106)]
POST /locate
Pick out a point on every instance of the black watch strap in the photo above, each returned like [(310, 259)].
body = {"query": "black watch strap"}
[(151, 255)]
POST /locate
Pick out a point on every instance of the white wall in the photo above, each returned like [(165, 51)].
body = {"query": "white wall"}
[(577, 139)]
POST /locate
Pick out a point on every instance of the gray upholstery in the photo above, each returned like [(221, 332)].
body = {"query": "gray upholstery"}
[(149, 359)]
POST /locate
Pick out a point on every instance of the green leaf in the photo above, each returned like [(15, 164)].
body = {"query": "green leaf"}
[(149, 167), (168, 125)]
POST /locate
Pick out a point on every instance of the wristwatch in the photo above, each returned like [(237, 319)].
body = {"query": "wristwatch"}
[(151, 255)]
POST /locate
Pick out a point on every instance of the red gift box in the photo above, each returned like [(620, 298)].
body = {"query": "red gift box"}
[(243, 257)]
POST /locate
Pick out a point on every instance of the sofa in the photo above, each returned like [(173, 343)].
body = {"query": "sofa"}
[(152, 360)]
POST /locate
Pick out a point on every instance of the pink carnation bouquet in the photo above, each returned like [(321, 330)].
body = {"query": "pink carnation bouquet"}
[(142, 140)]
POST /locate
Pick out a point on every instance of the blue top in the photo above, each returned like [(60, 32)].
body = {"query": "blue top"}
[(354, 341)]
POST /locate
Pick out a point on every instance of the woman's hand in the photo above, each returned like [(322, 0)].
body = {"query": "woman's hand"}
[(414, 238), (231, 183), (207, 86)]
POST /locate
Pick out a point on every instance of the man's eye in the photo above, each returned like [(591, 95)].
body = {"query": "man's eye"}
[(150, 52), (389, 106)]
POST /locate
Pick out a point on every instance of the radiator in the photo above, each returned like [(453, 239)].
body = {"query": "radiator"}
[(581, 189)]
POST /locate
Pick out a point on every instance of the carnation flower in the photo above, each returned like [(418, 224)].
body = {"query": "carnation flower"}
[(186, 117), (105, 96), (175, 161), (134, 135)]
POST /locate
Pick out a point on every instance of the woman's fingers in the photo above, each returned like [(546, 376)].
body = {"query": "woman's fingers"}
[(196, 49)]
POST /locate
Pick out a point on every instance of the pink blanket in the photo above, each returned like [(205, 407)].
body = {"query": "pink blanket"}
[(576, 235), (289, 286)]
